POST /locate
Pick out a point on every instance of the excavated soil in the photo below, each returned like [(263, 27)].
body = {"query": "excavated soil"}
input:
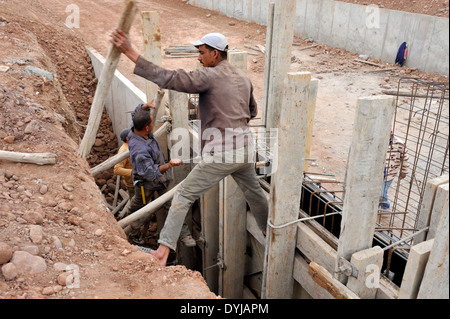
[(57, 212)]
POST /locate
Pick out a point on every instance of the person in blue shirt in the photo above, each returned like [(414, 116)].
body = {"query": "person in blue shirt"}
[(151, 174)]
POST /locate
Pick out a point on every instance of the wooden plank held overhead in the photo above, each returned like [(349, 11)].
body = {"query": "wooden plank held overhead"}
[(104, 82)]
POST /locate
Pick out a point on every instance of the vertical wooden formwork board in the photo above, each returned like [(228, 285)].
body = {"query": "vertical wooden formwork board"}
[(180, 147), (435, 280), (279, 59), (285, 188), (234, 220), (364, 175), (311, 110), (151, 34)]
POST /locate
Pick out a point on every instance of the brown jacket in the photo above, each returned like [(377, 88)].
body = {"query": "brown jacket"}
[(226, 98)]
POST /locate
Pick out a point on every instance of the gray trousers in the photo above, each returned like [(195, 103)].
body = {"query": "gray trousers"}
[(205, 175), (137, 203)]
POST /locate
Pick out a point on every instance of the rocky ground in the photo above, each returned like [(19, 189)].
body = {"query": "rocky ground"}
[(57, 237)]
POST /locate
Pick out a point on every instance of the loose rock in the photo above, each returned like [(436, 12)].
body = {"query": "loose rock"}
[(36, 234), (6, 253), (9, 271), (27, 264), (34, 218)]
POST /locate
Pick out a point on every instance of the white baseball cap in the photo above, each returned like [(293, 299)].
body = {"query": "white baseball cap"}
[(215, 40)]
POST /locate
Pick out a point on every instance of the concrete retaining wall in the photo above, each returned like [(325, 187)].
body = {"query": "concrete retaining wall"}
[(123, 95), (366, 30)]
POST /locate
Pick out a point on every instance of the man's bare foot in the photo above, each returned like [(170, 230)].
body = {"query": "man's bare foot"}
[(162, 253)]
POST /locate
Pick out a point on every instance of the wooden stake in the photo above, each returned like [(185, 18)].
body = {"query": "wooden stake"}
[(364, 176), (311, 109), (151, 34), (104, 82), (325, 280), (285, 188), (234, 220), (278, 58), (436, 278), (36, 158)]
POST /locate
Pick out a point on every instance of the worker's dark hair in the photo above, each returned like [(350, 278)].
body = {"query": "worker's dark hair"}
[(223, 54), (141, 120)]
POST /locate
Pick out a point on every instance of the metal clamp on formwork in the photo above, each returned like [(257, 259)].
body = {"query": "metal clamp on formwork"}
[(220, 263), (298, 220), (345, 267), (165, 118)]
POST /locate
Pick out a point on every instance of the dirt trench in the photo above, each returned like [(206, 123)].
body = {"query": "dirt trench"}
[(55, 215), (62, 203)]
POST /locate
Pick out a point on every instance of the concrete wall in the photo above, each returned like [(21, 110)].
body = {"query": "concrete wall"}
[(366, 30), (123, 95)]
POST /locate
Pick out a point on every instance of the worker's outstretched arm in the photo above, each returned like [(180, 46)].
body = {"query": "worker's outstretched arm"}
[(122, 42)]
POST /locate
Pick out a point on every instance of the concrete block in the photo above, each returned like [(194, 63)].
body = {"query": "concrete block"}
[(373, 45), (357, 28), (246, 10), (230, 7), (256, 11), (238, 9), (300, 19), (393, 38), (326, 21), (416, 48), (312, 26), (264, 11), (437, 54), (340, 27), (222, 7)]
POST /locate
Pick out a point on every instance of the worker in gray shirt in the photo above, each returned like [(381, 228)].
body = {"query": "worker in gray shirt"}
[(226, 105)]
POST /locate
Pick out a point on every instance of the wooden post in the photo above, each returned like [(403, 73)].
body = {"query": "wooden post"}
[(325, 280), (267, 70), (426, 206), (209, 208), (179, 110), (279, 59), (285, 188), (151, 34), (104, 82), (435, 281), (438, 209), (369, 263), (180, 147), (415, 268), (311, 110), (364, 175), (33, 158), (234, 220), (235, 239)]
